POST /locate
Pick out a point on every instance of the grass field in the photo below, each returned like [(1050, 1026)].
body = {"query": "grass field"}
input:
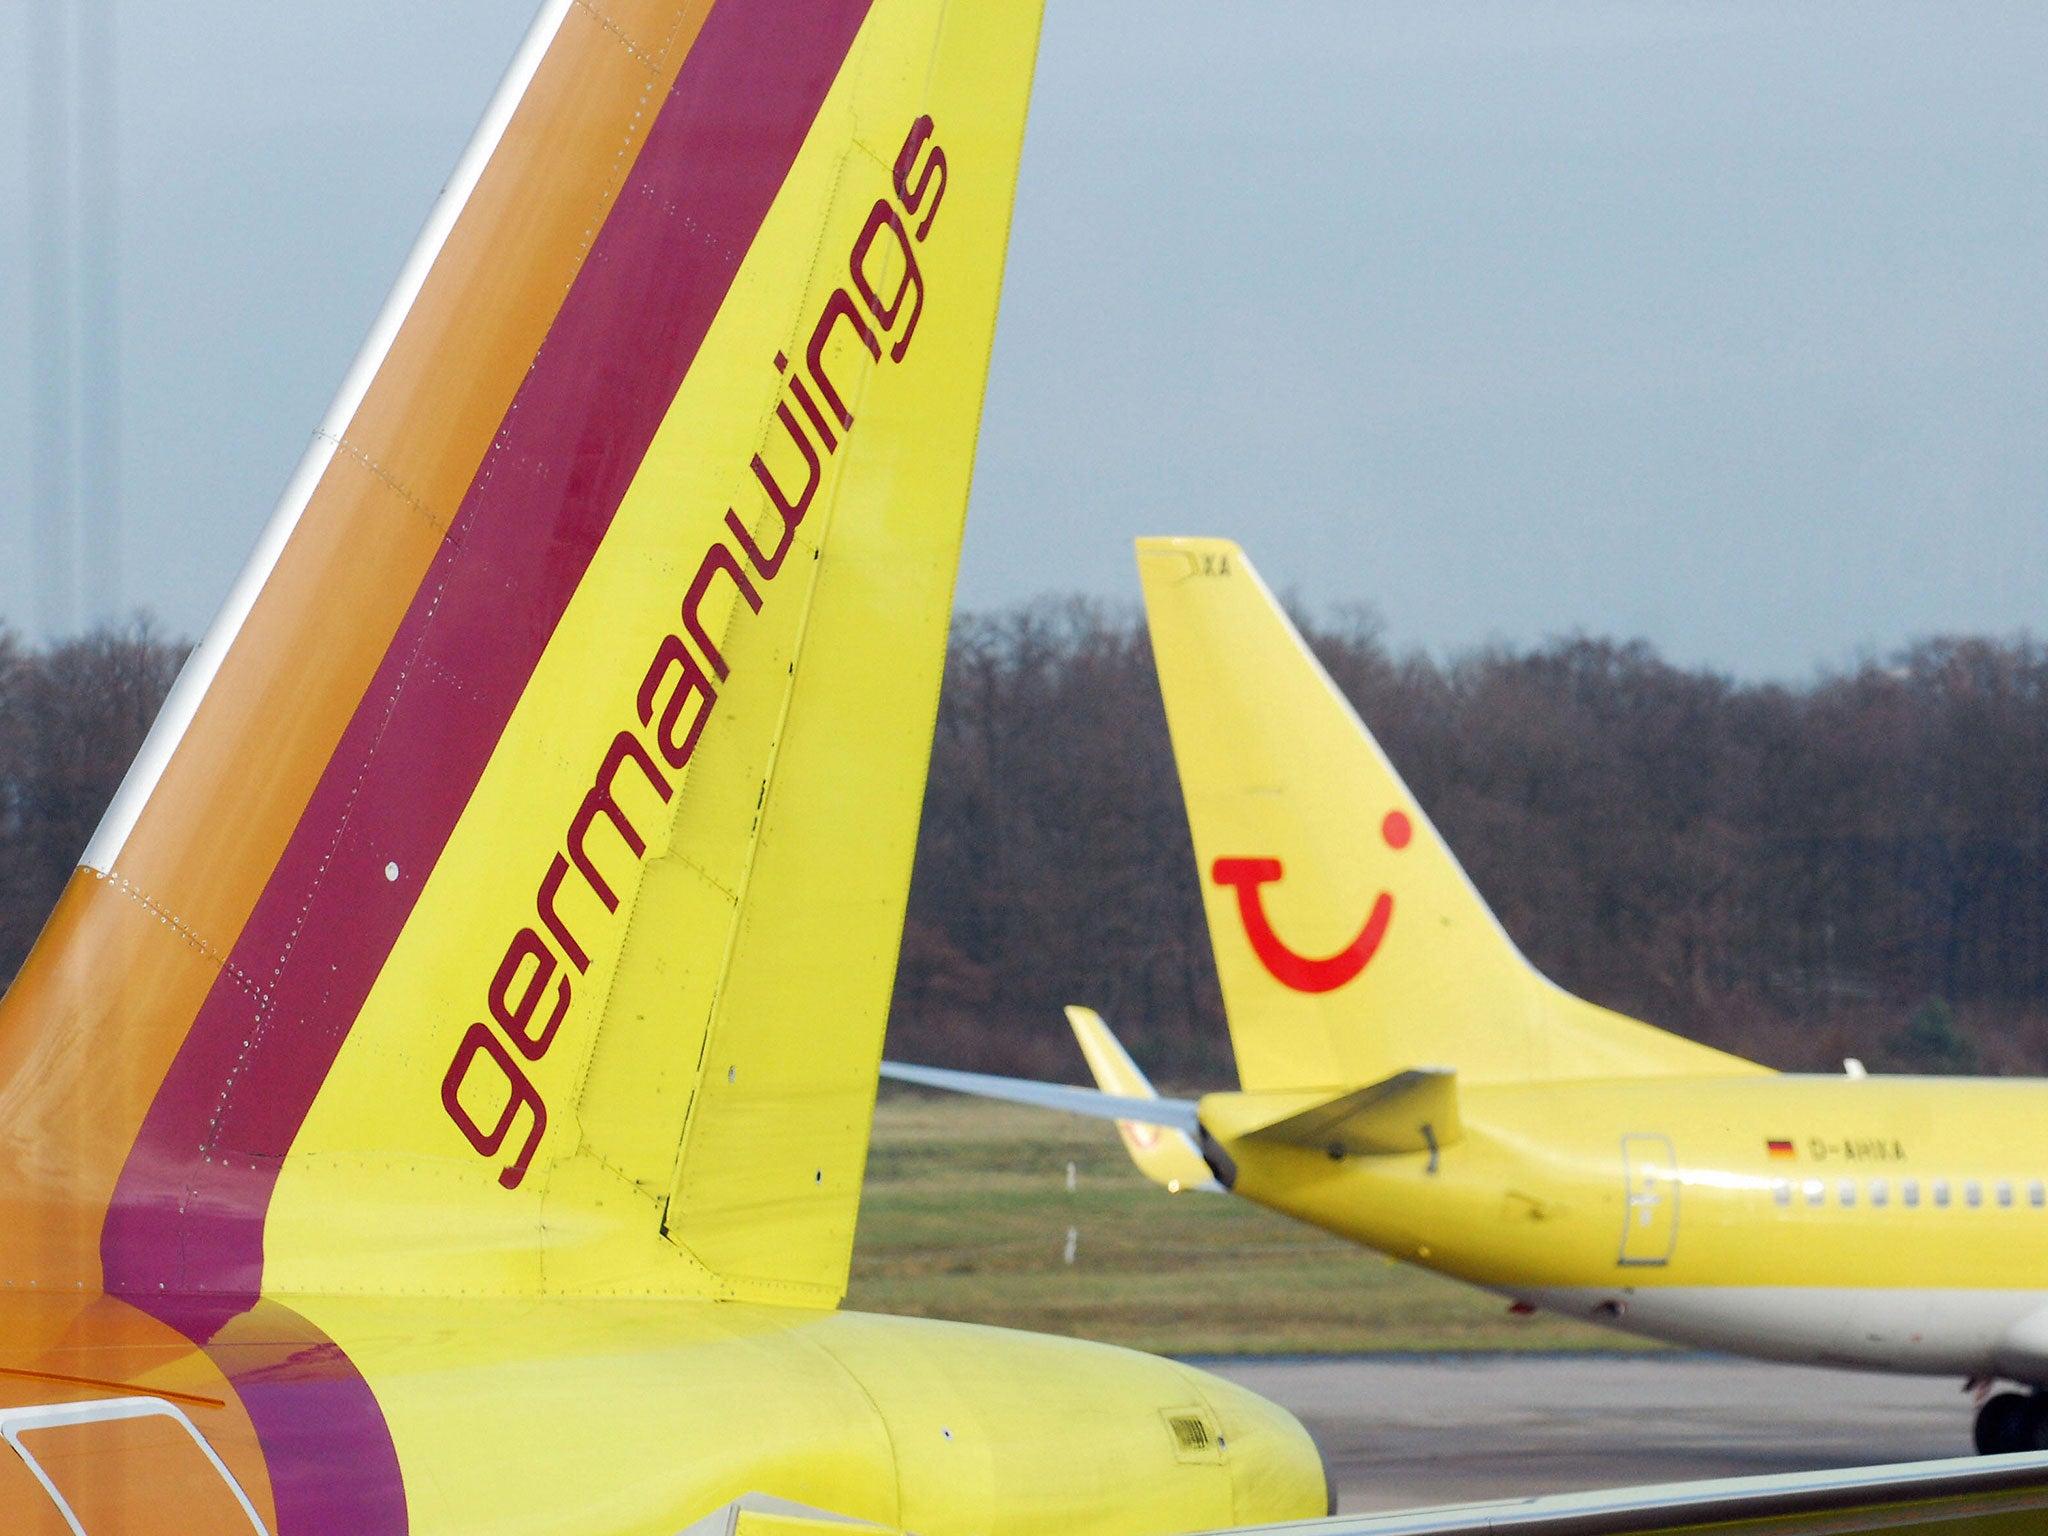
[(966, 1215)]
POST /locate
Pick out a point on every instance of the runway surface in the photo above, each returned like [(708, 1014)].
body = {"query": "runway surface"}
[(1402, 1431)]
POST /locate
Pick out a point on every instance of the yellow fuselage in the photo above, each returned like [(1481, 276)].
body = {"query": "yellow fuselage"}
[(1897, 1223), (637, 1416)]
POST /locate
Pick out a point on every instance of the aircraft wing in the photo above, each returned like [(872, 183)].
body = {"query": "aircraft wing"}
[(1412, 1111), (1975, 1495), (1178, 1114)]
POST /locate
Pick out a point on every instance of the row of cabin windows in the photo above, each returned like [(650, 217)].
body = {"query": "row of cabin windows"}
[(1880, 1192)]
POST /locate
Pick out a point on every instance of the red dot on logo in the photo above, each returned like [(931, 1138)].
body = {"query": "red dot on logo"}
[(1397, 829)]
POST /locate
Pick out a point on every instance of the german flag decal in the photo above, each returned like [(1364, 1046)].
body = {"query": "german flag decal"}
[(1780, 1149)]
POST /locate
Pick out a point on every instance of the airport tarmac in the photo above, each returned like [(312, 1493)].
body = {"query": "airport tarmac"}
[(1407, 1430)]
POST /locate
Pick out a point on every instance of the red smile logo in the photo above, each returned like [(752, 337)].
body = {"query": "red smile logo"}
[(1301, 972)]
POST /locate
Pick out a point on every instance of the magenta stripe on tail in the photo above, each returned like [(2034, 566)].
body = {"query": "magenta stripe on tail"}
[(184, 1236)]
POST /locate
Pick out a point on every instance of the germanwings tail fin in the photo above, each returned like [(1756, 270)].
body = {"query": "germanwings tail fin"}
[(508, 900), (1349, 943)]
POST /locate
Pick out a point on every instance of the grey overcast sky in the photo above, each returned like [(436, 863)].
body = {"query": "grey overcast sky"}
[(1723, 325)]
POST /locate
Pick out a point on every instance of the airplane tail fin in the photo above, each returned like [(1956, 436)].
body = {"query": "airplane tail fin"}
[(1349, 943), (507, 901), (1165, 1154)]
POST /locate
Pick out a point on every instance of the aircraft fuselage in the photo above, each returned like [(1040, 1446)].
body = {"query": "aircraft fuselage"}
[(1892, 1223), (575, 1415)]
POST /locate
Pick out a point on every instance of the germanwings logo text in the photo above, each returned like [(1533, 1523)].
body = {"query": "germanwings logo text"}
[(1301, 972), (486, 1090)]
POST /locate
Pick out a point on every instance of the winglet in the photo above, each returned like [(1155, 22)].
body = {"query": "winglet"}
[(1166, 1155)]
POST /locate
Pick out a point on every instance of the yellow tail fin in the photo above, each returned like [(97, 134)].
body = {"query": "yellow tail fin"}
[(1349, 943), (507, 901), (644, 985)]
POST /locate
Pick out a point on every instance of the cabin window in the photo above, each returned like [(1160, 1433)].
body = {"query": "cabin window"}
[(2005, 1191), (1973, 1193), (1816, 1192), (1880, 1192), (1909, 1191), (1941, 1191), (1845, 1192), (2037, 1193), (1781, 1191)]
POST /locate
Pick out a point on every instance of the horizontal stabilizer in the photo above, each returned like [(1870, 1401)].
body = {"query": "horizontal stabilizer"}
[(1178, 1114), (1412, 1111), (1922, 1498), (757, 1514)]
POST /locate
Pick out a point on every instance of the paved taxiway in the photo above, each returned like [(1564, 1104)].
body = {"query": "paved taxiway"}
[(1400, 1431)]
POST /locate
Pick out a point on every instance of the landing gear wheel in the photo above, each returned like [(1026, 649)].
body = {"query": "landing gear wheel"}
[(2009, 1422)]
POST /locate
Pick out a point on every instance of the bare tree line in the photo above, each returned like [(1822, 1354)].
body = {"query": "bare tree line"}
[(1853, 866), (71, 719)]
